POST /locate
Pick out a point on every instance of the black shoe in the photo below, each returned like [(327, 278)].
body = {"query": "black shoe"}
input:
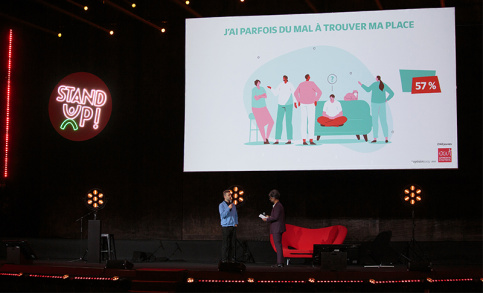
[(266, 142), (275, 142), (374, 141), (279, 265), (305, 143), (312, 143), (288, 142), (387, 141)]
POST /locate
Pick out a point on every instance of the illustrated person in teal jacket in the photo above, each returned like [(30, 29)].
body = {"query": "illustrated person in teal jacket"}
[(378, 105)]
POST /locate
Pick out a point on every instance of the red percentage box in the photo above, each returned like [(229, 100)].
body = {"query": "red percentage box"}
[(425, 85)]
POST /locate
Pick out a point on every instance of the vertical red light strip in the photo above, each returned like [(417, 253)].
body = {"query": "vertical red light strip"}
[(7, 116)]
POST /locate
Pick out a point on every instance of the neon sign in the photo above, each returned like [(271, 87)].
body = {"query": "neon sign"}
[(80, 106), (7, 114)]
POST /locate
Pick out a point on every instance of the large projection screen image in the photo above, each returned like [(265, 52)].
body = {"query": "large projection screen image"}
[(340, 91)]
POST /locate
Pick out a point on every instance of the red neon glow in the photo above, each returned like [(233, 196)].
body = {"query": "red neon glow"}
[(7, 115)]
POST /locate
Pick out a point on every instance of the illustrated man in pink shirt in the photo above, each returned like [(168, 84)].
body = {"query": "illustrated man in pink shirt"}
[(306, 95)]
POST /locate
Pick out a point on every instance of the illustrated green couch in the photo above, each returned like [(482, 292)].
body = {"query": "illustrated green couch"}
[(359, 120)]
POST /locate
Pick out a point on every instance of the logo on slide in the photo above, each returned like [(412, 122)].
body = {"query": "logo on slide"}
[(80, 106), (444, 155)]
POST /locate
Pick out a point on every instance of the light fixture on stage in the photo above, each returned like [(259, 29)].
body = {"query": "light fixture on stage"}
[(417, 259), (238, 195), (412, 194), (95, 199)]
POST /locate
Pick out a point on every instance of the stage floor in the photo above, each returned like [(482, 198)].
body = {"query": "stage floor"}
[(182, 276)]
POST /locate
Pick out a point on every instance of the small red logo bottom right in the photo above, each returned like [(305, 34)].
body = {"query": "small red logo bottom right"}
[(444, 155)]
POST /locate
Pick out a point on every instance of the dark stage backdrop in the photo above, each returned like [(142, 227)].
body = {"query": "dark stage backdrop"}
[(137, 159)]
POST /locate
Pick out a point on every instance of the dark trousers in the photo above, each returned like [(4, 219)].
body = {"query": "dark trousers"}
[(228, 243), (277, 240)]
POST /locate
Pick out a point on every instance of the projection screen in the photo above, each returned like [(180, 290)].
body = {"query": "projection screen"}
[(231, 124)]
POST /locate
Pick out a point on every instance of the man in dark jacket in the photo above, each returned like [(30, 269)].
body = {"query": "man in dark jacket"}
[(277, 224)]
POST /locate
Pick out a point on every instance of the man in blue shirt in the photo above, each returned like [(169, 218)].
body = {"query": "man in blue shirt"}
[(229, 222)]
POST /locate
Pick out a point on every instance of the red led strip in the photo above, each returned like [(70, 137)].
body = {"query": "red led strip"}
[(397, 281), (11, 274), (221, 281), (340, 281), (94, 278), (281, 282), (452, 280), (46, 276), (7, 119), (372, 281)]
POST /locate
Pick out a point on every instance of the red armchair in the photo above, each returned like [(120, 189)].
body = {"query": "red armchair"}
[(298, 242)]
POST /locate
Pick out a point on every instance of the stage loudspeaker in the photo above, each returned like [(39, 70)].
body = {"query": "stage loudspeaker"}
[(19, 252), (94, 241), (333, 260), (119, 264), (420, 266), (139, 256), (231, 267), (381, 250)]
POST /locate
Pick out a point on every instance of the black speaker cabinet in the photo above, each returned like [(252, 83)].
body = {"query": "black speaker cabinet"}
[(139, 256), (119, 264), (333, 260), (421, 266), (19, 252), (351, 249), (231, 267), (94, 241)]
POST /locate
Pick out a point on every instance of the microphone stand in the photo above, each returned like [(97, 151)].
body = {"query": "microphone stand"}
[(81, 219)]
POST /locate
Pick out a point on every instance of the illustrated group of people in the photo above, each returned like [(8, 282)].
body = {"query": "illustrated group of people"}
[(305, 98), (229, 224)]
